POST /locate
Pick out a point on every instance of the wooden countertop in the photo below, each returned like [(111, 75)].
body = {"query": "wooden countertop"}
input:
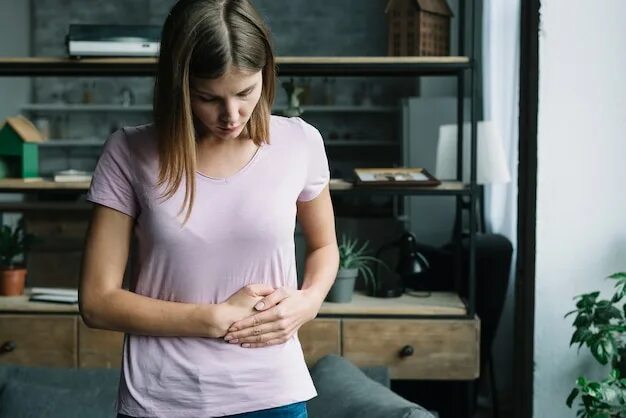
[(437, 304)]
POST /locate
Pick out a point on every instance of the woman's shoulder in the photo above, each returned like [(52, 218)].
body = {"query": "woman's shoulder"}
[(292, 129), (132, 143)]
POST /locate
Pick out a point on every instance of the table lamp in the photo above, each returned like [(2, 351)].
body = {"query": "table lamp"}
[(491, 164)]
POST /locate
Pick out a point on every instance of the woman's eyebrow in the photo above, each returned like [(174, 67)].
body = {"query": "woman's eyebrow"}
[(248, 89)]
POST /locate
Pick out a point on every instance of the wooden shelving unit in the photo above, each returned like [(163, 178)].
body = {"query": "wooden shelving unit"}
[(451, 188), (294, 66)]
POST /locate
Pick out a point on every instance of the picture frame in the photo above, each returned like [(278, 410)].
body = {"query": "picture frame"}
[(395, 177)]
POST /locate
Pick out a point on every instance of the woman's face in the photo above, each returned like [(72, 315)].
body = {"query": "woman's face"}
[(224, 105)]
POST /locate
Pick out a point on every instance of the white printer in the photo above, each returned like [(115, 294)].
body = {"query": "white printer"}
[(113, 40)]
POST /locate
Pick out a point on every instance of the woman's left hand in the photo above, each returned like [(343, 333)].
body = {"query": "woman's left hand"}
[(277, 324)]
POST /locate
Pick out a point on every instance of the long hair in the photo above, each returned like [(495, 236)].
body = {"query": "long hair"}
[(203, 38)]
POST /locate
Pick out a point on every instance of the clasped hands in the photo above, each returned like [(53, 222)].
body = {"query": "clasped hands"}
[(265, 316)]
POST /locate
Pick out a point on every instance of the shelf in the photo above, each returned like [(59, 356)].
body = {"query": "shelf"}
[(19, 185), (79, 107), (71, 143), (287, 66), (356, 142), (438, 304), (44, 206), (66, 107), (451, 188), (53, 143)]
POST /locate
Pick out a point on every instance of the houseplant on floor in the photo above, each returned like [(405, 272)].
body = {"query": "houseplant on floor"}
[(14, 243), (601, 326), (354, 258)]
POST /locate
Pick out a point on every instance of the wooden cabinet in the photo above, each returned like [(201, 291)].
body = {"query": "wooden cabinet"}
[(38, 340), (425, 338), (415, 348), (320, 337), (99, 348)]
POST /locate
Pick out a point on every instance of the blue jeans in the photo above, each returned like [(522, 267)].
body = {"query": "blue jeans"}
[(294, 410)]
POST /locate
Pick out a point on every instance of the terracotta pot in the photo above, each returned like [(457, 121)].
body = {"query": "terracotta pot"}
[(12, 281)]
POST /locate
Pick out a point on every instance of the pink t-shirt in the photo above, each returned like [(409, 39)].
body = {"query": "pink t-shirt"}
[(241, 231)]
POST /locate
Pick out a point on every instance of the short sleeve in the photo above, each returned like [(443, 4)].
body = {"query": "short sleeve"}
[(317, 171), (112, 181)]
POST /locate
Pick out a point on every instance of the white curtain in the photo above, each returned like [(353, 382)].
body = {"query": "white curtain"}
[(501, 51)]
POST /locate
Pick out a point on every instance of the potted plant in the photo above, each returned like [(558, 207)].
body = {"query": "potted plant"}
[(14, 242), (354, 258), (601, 326)]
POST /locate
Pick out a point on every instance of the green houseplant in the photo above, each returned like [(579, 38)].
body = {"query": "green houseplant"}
[(601, 326), (354, 259), (14, 242)]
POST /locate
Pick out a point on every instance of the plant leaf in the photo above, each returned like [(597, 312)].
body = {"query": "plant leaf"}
[(573, 394)]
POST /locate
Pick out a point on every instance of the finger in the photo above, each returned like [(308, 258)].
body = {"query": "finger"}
[(273, 341), (235, 337), (257, 319), (261, 340), (272, 300), (261, 289)]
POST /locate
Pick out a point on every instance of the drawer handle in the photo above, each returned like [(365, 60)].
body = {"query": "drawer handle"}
[(8, 347), (407, 351)]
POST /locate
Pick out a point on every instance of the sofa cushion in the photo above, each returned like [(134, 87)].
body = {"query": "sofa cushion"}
[(61, 377), (20, 399), (345, 391)]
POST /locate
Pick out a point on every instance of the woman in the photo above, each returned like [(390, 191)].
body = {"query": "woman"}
[(211, 191)]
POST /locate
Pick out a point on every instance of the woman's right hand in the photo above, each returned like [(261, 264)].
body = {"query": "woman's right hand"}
[(240, 305)]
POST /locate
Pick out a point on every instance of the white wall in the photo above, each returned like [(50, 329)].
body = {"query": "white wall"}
[(14, 42), (581, 196)]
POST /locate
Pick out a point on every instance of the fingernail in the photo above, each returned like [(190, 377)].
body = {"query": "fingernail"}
[(260, 305), (235, 341), (228, 337), (245, 345)]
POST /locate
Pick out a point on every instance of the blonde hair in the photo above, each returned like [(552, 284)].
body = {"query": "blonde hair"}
[(203, 38)]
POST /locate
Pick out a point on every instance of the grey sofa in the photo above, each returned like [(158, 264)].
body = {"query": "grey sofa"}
[(344, 391)]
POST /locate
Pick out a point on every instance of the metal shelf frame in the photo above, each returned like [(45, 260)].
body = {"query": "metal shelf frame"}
[(459, 67)]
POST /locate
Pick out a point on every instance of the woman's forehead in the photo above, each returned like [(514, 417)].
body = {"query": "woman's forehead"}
[(232, 79)]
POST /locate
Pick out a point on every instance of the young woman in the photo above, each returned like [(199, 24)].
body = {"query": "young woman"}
[(211, 191)]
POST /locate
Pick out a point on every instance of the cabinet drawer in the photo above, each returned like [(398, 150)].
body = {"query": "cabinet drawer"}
[(318, 338), (415, 348), (39, 340), (99, 348)]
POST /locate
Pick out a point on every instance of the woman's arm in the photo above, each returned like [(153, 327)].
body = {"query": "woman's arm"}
[(276, 324), (105, 304)]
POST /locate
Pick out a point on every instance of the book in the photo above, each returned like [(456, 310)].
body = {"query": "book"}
[(53, 298), (63, 291), (53, 294), (72, 175), (394, 177)]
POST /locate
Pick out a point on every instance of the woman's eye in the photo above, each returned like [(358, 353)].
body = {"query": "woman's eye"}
[(205, 99)]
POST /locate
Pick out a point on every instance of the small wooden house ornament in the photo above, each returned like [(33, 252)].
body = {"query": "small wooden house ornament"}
[(419, 27), (19, 148)]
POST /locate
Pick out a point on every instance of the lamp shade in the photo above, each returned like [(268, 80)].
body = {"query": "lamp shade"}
[(491, 165)]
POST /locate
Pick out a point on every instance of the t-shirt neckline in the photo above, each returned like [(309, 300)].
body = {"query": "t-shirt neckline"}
[(236, 174)]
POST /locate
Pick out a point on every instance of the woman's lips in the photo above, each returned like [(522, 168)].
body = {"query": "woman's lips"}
[(228, 129)]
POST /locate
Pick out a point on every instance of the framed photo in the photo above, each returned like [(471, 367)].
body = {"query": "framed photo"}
[(395, 177)]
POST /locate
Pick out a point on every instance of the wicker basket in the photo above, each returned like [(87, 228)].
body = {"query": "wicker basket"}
[(419, 27)]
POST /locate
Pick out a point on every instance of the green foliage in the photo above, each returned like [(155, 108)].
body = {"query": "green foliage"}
[(600, 325), (354, 255), (14, 242)]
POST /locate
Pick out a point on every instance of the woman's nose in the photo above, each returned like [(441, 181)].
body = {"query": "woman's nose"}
[(230, 111)]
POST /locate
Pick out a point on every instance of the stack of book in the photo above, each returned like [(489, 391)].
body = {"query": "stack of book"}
[(72, 175), (53, 294)]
